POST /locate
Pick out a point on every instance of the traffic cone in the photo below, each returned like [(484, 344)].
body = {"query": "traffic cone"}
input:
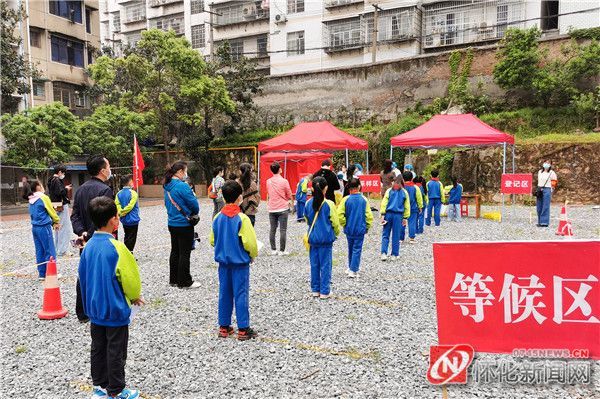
[(564, 224), (52, 307)]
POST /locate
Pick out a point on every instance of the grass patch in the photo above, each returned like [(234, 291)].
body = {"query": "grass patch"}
[(566, 138)]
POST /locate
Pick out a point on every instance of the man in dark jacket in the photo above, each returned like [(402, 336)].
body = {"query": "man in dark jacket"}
[(58, 193), (99, 168), (333, 183)]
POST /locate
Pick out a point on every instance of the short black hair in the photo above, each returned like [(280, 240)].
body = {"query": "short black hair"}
[(326, 162), (231, 191), (353, 183), (407, 175), (101, 210), (435, 173), (232, 176), (125, 180), (217, 170), (95, 164), (59, 168), (275, 167)]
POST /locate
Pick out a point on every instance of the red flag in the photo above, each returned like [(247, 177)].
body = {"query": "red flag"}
[(138, 164)]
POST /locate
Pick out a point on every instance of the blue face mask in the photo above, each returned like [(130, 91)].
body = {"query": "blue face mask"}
[(546, 166)]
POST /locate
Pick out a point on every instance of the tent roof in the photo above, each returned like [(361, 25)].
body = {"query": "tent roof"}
[(311, 136), (452, 131), (292, 156)]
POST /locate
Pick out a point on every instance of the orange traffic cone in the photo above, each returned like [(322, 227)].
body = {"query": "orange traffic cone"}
[(52, 307), (564, 224)]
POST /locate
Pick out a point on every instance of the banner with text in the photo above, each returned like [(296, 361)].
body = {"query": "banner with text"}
[(498, 296), (370, 183), (518, 183)]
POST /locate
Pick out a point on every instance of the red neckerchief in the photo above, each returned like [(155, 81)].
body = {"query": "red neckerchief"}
[(435, 178), (409, 183), (419, 184), (230, 210)]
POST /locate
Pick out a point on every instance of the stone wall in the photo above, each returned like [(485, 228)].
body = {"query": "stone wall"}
[(577, 167)]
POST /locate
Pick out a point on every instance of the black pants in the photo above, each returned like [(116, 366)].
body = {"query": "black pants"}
[(130, 236), (252, 219), (278, 219), (78, 301), (179, 262), (108, 356)]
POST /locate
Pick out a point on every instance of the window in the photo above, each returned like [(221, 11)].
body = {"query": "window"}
[(169, 23), (67, 51), (90, 56), (345, 34), (66, 9), (198, 39), (237, 49), (35, 38), (197, 6), (116, 22), (39, 89), (69, 95), (261, 46), (501, 19), (295, 43), (451, 27), (80, 99), (88, 20), (550, 11), (133, 38), (135, 12), (295, 6)]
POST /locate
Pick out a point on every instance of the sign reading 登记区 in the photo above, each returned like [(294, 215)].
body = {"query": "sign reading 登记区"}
[(499, 296), (519, 183), (370, 183)]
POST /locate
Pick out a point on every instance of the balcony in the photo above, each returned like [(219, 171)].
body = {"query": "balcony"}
[(176, 24), (396, 25), (344, 35), (332, 4), (160, 3), (239, 13)]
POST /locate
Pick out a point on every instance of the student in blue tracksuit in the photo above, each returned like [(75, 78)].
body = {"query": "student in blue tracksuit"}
[(454, 201), (354, 214), (43, 218), (301, 197), (395, 211), (235, 244), (436, 195), (419, 182), (129, 211), (416, 204), (323, 229), (110, 283)]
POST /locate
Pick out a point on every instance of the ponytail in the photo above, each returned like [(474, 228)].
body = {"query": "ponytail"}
[(350, 172), (176, 167), (246, 175), (318, 184)]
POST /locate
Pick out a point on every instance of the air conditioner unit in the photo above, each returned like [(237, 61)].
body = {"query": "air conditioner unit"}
[(249, 11), (280, 19)]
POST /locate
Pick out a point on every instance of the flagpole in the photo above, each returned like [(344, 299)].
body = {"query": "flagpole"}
[(135, 164)]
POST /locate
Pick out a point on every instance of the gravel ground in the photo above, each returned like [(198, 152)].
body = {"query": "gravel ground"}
[(370, 340)]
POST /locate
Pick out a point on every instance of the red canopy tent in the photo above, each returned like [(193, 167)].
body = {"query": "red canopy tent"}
[(296, 166)]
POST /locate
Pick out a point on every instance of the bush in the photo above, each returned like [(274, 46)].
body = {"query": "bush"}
[(589, 33), (442, 162), (244, 140)]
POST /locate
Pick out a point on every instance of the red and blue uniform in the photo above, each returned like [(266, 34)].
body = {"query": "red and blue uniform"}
[(354, 214), (43, 216)]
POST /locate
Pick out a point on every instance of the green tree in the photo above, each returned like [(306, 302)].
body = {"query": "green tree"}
[(458, 85), (16, 70), (588, 106), (41, 137), (110, 130)]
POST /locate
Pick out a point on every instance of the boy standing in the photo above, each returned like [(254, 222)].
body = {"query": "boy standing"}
[(354, 213), (416, 203), (129, 211), (301, 197), (435, 192), (235, 244), (395, 210), (110, 282)]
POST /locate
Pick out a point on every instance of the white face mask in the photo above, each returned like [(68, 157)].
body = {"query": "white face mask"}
[(61, 177), (546, 165)]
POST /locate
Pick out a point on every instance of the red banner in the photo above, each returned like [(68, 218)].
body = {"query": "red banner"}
[(138, 164), (499, 296), (370, 183), (519, 183)]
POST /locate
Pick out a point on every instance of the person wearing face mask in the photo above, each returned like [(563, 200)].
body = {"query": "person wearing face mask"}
[(43, 219), (58, 193), (181, 204), (99, 168), (546, 182)]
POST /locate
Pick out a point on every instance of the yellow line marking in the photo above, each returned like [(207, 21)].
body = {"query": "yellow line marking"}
[(444, 392)]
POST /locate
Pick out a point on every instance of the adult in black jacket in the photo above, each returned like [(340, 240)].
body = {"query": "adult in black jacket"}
[(99, 168), (333, 183), (58, 193)]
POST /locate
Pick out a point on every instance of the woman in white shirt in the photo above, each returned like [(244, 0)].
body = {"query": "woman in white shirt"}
[(546, 181)]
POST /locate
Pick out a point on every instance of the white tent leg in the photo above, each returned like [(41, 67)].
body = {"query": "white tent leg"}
[(346, 157), (285, 166), (409, 156), (258, 169), (513, 158), (392, 152), (367, 162), (503, 172)]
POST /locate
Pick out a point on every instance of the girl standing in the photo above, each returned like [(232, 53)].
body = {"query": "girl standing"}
[(43, 218), (421, 217), (323, 229), (546, 182), (217, 184), (454, 201), (250, 195)]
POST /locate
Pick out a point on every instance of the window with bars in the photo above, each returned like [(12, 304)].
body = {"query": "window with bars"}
[(67, 51), (295, 43), (135, 12), (501, 19), (116, 20), (66, 9), (196, 6), (237, 49), (198, 36), (261, 46), (39, 89), (165, 24), (133, 38), (343, 34), (241, 12), (71, 96), (294, 6)]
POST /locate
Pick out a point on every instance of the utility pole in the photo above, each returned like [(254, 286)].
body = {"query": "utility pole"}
[(375, 30), (211, 41)]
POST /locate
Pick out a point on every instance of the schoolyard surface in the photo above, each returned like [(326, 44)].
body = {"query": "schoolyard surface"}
[(371, 339)]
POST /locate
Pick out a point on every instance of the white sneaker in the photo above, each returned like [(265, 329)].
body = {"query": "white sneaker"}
[(394, 258), (351, 274), (99, 393), (383, 257), (194, 285), (315, 294), (274, 252), (323, 296), (412, 241), (284, 253)]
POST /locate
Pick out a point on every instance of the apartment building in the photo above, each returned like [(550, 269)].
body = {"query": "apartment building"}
[(296, 36), (60, 38)]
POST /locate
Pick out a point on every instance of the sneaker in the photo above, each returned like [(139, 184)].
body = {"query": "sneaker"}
[(41, 278), (383, 257), (284, 253), (325, 296), (315, 294), (274, 252), (394, 258), (84, 320), (194, 285), (99, 392), (128, 394), (412, 241), (246, 334), (225, 332), (173, 284), (351, 274)]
